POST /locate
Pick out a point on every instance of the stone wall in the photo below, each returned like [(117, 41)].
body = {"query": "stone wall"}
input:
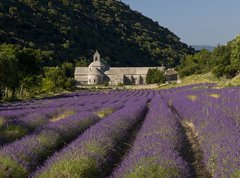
[(117, 75)]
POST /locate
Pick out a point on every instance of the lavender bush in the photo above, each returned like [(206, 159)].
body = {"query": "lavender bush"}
[(156, 149), (21, 157), (217, 134), (189, 131), (91, 152)]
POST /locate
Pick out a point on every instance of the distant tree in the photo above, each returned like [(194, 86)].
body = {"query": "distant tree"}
[(68, 69), (12, 11), (231, 70), (195, 64), (221, 58), (31, 85), (9, 65), (21, 69), (29, 62), (189, 70), (226, 59), (235, 55), (82, 63), (65, 2), (56, 76), (223, 61), (219, 71), (155, 76), (70, 83)]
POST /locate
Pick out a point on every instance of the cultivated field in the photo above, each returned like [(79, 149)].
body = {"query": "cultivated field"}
[(189, 131)]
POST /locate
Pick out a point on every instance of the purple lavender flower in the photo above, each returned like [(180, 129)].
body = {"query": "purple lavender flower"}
[(217, 133), (155, 151), (92, 151), (21, 157)]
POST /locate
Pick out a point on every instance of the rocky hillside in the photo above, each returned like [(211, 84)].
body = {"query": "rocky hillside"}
[(74, 29)]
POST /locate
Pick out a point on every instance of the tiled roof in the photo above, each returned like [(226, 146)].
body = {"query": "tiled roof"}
[(171, 72), (128, 70), (81, 71)]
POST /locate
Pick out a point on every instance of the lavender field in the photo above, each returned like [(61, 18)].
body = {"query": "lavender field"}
[(189, 131)]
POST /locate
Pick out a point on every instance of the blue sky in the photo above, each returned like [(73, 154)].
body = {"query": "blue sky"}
[(196, 22)]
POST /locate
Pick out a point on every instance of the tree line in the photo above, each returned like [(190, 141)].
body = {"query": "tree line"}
[(25, 72), (223, 61)]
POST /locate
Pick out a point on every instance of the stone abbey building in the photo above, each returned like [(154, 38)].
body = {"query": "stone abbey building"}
[(99, 72)]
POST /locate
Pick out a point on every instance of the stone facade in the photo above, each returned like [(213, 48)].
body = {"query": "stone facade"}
[(99, 72), (171, 75)]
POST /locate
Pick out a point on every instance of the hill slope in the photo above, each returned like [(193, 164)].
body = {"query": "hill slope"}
[(75, 28)]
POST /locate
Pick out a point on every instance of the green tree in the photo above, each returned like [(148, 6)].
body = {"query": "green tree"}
[(56, 76), (29, 62), (226, 59), (221, 56), (235, 55), (195, 64), (155, 76), (82, 63), (21, 69), (68, 69), (12, 11), (9, 65)]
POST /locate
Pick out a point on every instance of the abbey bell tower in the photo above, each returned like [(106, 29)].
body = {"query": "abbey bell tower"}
[(96, 56)]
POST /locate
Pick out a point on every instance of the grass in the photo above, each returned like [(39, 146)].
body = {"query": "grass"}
[(236, 174), (201, 78), (197, 158), (104, 112), (205, 78), (215, 95), (62, 116), (78, 166), (37, 95), (10, 168), (192, 97), (74, 168), (2, 121), (49, 139), (212, 161), (235, 81), (94, 148), (12, 132), (150, 169)]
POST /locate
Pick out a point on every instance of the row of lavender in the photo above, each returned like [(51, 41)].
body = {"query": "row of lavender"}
[(92, 154), (21, 157), (157, 155), (213, 115), (15, 124), (158, 149)]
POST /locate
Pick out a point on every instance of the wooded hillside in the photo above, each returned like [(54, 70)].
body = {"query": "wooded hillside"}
[(74, 29)]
